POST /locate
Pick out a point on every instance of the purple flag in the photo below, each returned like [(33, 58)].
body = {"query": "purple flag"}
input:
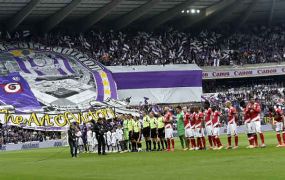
[(15, 91)]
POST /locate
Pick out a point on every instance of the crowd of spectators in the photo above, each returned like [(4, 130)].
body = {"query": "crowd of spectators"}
[(15, 135), (258, 44), (267, 93)]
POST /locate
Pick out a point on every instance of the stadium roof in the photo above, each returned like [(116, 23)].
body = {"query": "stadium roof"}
[(149, 14)]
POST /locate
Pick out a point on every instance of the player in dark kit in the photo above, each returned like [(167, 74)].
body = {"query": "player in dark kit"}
[(131, 129), (1, 137), (146, 131), (136, 136), (84, 136), (153, 129), (160, 131)]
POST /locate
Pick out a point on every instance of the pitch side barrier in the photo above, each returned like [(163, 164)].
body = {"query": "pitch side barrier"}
[(33, 145), (226, 72)]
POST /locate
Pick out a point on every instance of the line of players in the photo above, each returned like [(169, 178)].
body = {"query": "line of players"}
[(192, 124), (252, 122), (190, 128)]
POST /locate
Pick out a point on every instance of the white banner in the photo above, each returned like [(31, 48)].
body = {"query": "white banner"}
[(244, 72), (157, 84), (162, 95)]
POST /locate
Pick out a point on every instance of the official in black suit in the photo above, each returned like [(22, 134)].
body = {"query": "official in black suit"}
[(100, 129), (72, 140)]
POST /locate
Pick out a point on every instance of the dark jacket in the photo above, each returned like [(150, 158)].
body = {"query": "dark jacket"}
[(71, 134), (99, 129)]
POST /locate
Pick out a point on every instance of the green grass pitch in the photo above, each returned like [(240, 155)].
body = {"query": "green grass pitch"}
[(56, 163)]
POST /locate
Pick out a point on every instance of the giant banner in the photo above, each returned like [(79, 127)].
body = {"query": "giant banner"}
[(15, 91), (159, 84), (35, 77), (53, 122)]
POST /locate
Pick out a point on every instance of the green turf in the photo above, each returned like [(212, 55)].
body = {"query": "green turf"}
[(55, 163)]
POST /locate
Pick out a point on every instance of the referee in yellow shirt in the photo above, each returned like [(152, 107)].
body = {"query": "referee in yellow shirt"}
[(146, 131), (160, 131)]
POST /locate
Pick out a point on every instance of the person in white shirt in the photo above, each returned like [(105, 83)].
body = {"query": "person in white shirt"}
[(114, 140), (120, 138), (95, 143), (89, 140), (109, 142), (79, 140)]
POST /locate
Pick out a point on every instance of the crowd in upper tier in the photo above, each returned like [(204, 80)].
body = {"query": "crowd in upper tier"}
[(258, 44)]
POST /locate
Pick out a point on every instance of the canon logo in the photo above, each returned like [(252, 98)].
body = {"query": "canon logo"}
[(221, 74), (242, 73), (266, 71)]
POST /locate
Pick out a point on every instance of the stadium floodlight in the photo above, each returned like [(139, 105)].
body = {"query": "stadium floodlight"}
[(182, 11), (198, 11), (187, 11), (193, 11)]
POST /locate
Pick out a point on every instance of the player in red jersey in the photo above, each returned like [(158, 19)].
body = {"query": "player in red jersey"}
[(248, 124), (195, 120), (254, 110), (168, 120), (187, 127), (216, 128), (208, 123), (199, 118), (278, 120), (232, 125)]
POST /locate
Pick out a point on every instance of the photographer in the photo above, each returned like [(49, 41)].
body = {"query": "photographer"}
[(100, 129), (1, 137), (72, 140)]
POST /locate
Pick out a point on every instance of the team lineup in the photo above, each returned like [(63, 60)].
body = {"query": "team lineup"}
[(193, 125)]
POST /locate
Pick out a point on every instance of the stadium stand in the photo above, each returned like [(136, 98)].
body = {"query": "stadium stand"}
[(205, 48), (184, 77), (226, 46)]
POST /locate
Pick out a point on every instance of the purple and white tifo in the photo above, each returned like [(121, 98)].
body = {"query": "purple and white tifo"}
[(15, 91), (160, 84), (50, 79), (43, 66)]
